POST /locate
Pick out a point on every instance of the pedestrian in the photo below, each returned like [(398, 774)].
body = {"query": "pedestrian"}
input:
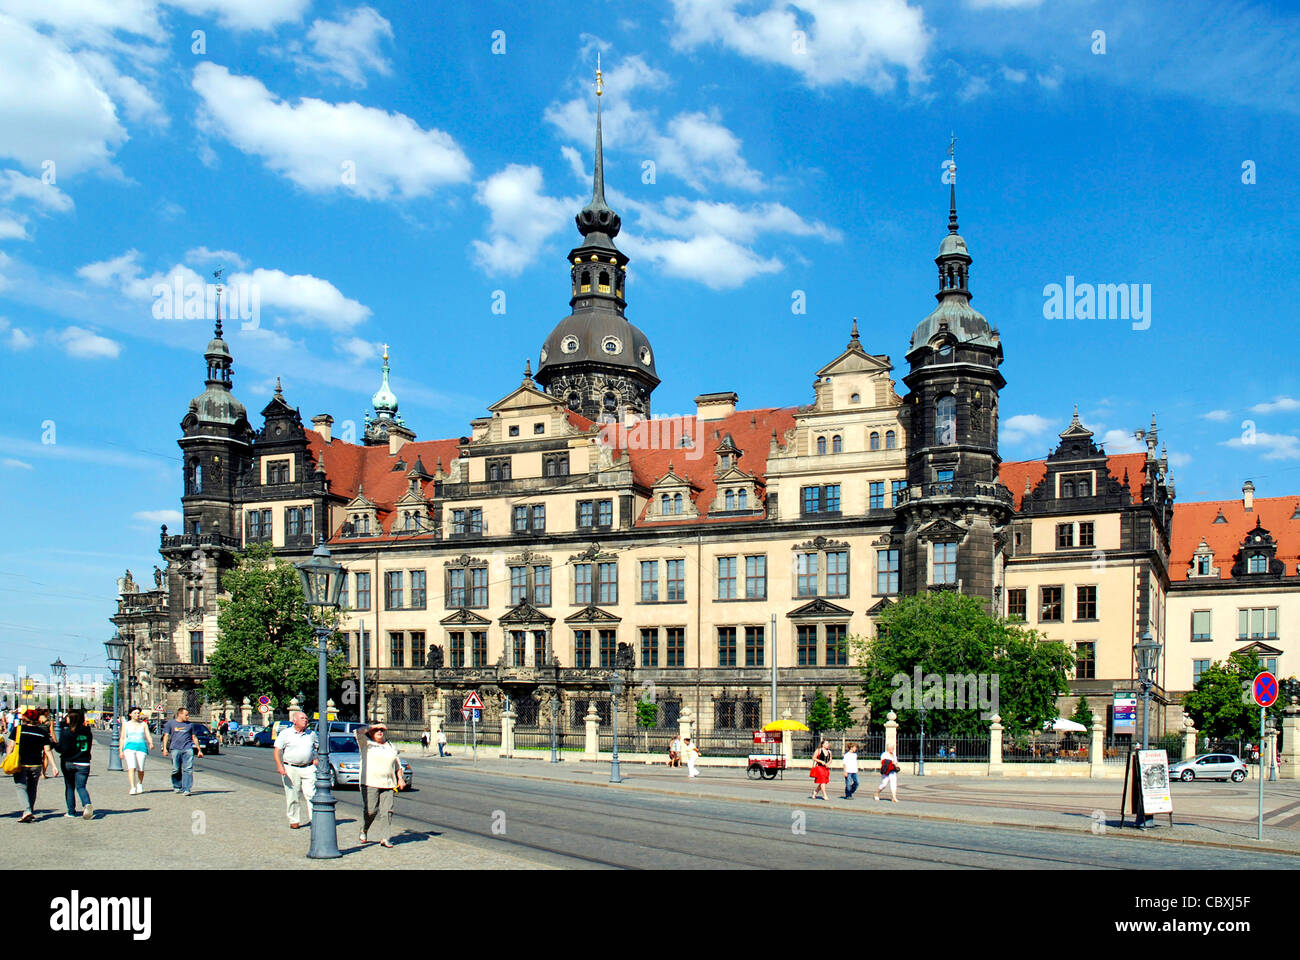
[(381, 778), (888, 775), (223, 731), (691, 754), (675, 752), (442, 742), (32, 741), (295, 759), (424, 741), (821, 770), (75, 741), (850, 771), (178, 735), (136, 742)]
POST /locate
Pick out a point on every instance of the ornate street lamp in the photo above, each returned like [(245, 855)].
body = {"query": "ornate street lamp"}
[(322, 585), (1148, 658), (59, 671), (615, 690), (115, 649), (555, 705)]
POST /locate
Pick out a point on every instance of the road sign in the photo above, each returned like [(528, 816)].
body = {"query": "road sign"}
[(478, 715), (1265, 689), (1124, 710), (472, 702), (264, 701)]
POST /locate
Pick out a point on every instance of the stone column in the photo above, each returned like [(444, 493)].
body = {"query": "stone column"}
[(1097, 751), (437, 718), (995, 746), (1189, 738), (508, 731), (294, 706), (331, 710), (591, 747), (265, 714), (1289, 761), (787, 739), (245, 712), (891, 732), (227, 709), (686, 723)]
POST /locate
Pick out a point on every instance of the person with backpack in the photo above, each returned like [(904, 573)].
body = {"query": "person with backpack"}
[(74, 745), (888, 775), (33, 747)]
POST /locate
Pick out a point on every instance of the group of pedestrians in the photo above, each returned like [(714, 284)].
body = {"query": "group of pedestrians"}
[(31, 741), (821, 772), (681, 749)]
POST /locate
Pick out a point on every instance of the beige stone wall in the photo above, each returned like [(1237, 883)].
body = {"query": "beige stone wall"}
[(1223, 605)]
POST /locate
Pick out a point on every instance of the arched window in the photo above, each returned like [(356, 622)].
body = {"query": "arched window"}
[(875, 440), (575, 401), (494, 472), (945, 419), (821, 445), (837, 445), (742, 500), (664, 504), (677, 503), (603, 286), (365, 524), (1084, 488), (1067, 489), (611, 403), (891, 440), (731, 499), (196, 480), (1258, 564), (585, 286)]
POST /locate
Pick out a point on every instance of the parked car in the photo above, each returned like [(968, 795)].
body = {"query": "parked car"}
[(262, 738), (1210, 766), (208, 741), (345, 763), (244, 735)]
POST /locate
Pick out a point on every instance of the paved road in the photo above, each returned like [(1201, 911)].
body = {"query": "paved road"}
[(578, 826)]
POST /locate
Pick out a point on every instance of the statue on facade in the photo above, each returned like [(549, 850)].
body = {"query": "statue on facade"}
[(434, 659), (128, 583), (157, 578), (623, 659)]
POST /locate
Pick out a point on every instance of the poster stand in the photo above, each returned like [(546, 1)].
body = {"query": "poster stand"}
[(1143, 770)]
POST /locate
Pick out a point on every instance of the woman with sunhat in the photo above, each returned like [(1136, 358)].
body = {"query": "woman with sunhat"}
[(381, 778)]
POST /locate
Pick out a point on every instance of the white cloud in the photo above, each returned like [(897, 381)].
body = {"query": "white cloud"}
[(246, 14), (1179, 460), (316, 144), (17, 338), (681, 217), (1014, 76), (16, 464), (204, 255), (350, 47), (92, 21), (13, 228), (864, 42), (1050, 80), (1277, 446), (1023, 426), (159, 516), (976, 86), (1218, 416), (17, 186), (358, 350), (522, 218), (711, 259), (304, 299), (1122, 441), (79, 342), (66, 451), (137, 102), (1003, 4), (1278, 405)]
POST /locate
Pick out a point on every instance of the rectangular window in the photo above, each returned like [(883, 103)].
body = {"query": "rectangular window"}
[(457, 645), (608, 648), (887, 572), (363, 591), (343, 594), (582, 649), (519, 648), (539, 518), (806, 574), (726, 646), (418, 649), (1200, 624), (724, 714), (837, 645), (393, 590), (363, 641), (676, 580), (806, 645), (396, 649), (253, 522), (586, 513), (1085, 603), (518, 585), (196, 647), (676, 637), (1050, 607), (418, 593), (467, 521), (811, 499), (542, 584), (456, 587), (877, 501), (756, 577), (1086, 535), (604, 513), (726, 578), (479, 638), (277, 471), (896, 488), (753, 646), (1198, 668), (1256, 623), (831, 498), (1017, 605), (519, 519), (607, 582), (478, 586), (291, 521), (649, 581), (1085, 664), (582, 583), (1064, 535), (539, 648), (837, 573), (649, 646), (943, 476), (945, 563)]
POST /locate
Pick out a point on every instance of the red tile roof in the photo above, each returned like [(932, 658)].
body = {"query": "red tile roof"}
[(1194, 521), (1013, 473)]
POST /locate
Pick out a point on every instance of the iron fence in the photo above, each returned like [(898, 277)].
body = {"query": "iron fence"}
[(1065, 748), (944, 749)]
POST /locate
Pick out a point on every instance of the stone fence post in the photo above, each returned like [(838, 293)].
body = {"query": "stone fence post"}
[(1189, 738), (294, 706), (1289, 761), (995, 745), (437, 717), (265, 713), (1097, 749), (787, 739), (591, 748), (891, 732), (245, 712), (508, 731), (686, 723)]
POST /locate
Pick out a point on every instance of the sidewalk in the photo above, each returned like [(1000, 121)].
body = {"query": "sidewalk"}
[(1213, 814), (228, 824)]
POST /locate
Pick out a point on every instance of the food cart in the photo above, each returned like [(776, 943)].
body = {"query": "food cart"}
[(766, 765)]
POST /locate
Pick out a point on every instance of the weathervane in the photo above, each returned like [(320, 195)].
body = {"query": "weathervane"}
[(600, 83)]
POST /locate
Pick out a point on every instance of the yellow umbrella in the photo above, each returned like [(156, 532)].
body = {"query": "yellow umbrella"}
[(785, 725)]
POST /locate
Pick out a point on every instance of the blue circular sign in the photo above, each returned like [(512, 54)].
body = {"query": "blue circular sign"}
[(1266, 689)]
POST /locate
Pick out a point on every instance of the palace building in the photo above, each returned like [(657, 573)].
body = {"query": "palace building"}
[(571, 532)]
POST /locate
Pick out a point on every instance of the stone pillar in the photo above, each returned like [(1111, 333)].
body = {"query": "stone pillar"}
[(1097, 750), (686, 723), (331, 709), (995, 746), (265, 714), (437, 718), (245, 712), (227, 709), (787, 739), (1189, 738), (1289, 761), (591, 748), (891, 732), (294, 706), (508, 731)]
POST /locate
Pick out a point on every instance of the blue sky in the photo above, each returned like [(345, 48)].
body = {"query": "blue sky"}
[(378, 172)]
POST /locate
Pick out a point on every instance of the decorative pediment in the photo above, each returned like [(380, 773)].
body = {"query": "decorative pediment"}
[(593, 552), (942, 531), (1258, 549), (820, 608), (821, 543), (879, 607), (465, 618), (465, 560), (361, 501), (1259, 649), (592, 614), (526, 557), (887, 540), (525, 612), (523, 397)]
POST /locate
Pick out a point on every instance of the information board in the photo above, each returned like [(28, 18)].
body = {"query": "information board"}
[(1125, 711)]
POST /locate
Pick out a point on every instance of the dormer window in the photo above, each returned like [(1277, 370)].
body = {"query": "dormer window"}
[(1257, 564), (731, 500), (1203, 566), (856, 398), (742, 500)]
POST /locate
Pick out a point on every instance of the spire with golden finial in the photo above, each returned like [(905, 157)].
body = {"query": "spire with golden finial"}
[(597, 217), (952, 182), (217, 275)]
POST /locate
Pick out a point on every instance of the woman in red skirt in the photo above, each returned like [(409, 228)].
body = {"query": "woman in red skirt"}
[(821, 770)]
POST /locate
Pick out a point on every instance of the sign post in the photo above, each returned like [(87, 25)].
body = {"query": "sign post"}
[(1265, 690), (473, 706)]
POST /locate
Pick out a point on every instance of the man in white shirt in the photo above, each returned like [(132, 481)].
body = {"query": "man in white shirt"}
[(850, 771), (295, 759)]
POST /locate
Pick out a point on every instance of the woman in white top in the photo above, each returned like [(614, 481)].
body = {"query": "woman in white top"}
[(133, 748), (381, 778), (850, 771), (888, 775)]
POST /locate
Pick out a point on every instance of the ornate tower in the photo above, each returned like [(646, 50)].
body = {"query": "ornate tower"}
[(956, 507), (594, 360), (385, 425)]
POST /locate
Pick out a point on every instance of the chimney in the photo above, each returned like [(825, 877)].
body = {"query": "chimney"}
[(715, 406), (1248, 496), (323, 422)]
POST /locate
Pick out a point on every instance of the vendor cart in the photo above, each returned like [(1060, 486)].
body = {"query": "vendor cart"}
[(766, 765)]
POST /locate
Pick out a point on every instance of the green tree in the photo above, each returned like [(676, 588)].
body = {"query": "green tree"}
[(647, 716), (1222, 705), (1083, 713), (265, 644), (819, 714), (841, 714), (947, 634)]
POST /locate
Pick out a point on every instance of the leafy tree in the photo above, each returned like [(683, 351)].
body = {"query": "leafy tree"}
[(647, 716), (1222, 706), (841, 714), (1083, 713), (265, 644), (948, 634), (819, 714)]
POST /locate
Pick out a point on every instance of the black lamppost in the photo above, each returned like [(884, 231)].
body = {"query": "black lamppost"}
[(615, 688), (59, 671), (322, 583), (1148, 654), (115, 648), (555, 705)]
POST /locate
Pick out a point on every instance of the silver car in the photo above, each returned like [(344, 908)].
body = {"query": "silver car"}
[(345, 764), (1210, 766)]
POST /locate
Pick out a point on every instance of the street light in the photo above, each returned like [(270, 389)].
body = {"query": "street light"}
[(555, 705), (615, 688), (59, 670), (322, 584), (114, 649), (1148, 654)]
